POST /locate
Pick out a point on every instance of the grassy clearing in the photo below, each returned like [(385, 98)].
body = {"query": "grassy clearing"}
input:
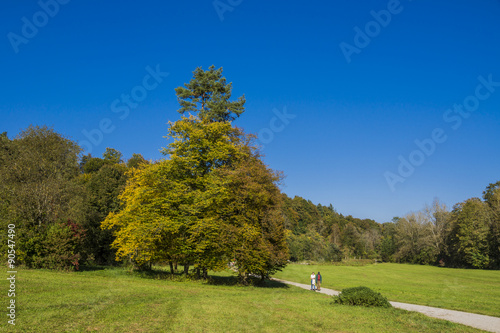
[(476, 291), (114, 300)]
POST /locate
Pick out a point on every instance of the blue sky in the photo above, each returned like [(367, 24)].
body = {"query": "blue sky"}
[(373, 122)]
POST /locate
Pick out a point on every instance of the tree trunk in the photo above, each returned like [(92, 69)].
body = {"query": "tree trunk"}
[(171, 267), (243, 279), (186, 268)]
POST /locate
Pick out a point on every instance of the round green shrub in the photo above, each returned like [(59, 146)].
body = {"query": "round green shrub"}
[(361, 296)]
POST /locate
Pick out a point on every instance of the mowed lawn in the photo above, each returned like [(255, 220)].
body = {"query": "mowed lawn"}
[(115, 300), (469, 290)]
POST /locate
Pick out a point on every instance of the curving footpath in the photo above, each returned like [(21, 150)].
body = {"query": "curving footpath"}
[(486, 323)]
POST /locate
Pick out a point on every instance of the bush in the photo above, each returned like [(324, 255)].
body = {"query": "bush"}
[(61, 246), (362, 296), (54, 247)]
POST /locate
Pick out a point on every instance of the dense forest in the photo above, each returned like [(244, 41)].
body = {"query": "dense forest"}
[(210, 202)]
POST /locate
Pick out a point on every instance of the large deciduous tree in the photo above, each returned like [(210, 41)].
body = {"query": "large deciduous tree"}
[(212, 202), (492, 197), (419, 236), (252, 218), (437, 218), (468, 234), (410, 233), (40, 196)]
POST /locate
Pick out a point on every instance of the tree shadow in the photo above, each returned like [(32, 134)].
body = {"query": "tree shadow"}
[(275, 284), (179, 276), (215, 280), (160, 274), (92, 268), (222, 280)]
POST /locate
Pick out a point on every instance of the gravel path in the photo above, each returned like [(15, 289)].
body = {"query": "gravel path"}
[(487, 323)]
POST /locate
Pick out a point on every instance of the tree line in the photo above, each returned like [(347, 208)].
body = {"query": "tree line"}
[(211, 201), (467, 236)]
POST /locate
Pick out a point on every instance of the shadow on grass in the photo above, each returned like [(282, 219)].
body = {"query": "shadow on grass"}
[(234, 281), (157, 273), (92, 268), (214, 280)]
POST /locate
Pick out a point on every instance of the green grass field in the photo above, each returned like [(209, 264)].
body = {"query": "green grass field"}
[(476, 291), (115, 300)]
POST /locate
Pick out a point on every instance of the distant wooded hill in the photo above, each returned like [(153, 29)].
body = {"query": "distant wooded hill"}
[(466, 236)]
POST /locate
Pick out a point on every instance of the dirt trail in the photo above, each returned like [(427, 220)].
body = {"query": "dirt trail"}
[(487, 323)]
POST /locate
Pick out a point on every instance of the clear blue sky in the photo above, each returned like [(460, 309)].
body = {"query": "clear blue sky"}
[(354, 121)]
